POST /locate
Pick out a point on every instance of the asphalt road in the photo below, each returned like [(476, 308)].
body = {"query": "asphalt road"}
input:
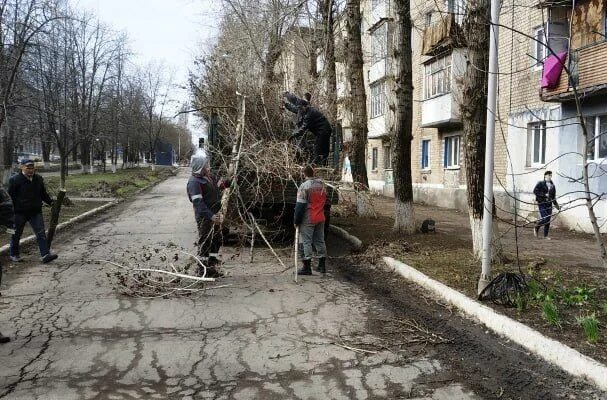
[(264, 337), (76, 337)]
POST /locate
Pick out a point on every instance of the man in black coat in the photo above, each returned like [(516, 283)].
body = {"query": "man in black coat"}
[(315, 122), (28, 192), (545, 196), (6, 221)]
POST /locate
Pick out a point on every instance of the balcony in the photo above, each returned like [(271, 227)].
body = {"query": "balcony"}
[(377, 71), (441, 112), (588, 75), (445, 33)]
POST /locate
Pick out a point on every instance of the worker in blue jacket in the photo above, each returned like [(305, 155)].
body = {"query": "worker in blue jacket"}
[(204, 191)]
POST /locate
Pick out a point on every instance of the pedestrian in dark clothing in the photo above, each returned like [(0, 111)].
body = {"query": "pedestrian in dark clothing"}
[(28, 192), (204, 191), (545, 196), (7, 221), (310, 218), (315, 122)]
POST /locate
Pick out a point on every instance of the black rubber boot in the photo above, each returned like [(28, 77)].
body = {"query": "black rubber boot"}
[(306, 269), (4, 339), (322, 265)]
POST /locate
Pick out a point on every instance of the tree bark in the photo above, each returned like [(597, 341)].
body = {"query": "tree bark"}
[(403, 123), (358, 99), (329, 67), (474, 115)]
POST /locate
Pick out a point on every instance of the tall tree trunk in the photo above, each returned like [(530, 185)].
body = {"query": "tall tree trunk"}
[(8, 148), (358, 98), (329, 65), (474, 116), (403, 123)]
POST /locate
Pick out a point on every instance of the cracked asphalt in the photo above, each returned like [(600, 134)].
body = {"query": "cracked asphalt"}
[(264, 337)]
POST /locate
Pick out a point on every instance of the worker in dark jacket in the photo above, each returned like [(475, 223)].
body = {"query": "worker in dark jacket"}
[(28, 192), (293, 103), (310, 218), (545, 196), (6, 221), (204, 191), (315, 122)]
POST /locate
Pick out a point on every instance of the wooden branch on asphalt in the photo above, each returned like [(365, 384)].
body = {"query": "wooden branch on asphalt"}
[(266, 240), (55, 217)]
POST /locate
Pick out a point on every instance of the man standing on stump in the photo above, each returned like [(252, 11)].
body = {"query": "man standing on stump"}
[(545, 196), (204, 191), (28, 191), (310, 218)]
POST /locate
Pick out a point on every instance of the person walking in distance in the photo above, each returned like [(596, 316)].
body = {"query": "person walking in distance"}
[(545, 196), (28, 191), (310, 218), (204, 191)]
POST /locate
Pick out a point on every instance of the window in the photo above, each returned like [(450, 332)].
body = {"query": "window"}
[(548, 39), (377, 99), (452, 152), (597, 137), (536, 144), (374, 159), (457, 8), (379, 43), (541, 41), (438, 77), (428, 19), (387, 157), (426, 154)]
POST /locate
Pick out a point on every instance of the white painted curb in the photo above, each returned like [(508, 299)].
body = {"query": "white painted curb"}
[(550, 350), (32, 238), (353, 240)]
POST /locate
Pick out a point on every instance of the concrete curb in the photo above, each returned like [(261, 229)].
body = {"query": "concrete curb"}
[(32, 238), (550, 350), (342, 233)]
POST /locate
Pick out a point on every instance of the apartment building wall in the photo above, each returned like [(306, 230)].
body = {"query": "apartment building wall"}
[(558, 122)]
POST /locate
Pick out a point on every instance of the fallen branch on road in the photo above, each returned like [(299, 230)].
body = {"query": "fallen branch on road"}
[(156, 273)]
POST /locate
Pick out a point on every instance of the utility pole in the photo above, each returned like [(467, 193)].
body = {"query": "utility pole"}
[(489, 147)]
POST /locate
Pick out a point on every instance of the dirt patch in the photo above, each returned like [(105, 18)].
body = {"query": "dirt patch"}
[(566, 286), (492, 367)]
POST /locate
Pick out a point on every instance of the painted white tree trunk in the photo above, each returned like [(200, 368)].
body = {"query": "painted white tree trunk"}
[(363, 205), (153, 166), (476, 225), (404, 221), (86, 168), (113, 168), (47, 164), (6, 175)]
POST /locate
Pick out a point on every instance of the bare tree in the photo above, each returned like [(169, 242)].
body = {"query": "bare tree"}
[(358, 99), (403, 134)]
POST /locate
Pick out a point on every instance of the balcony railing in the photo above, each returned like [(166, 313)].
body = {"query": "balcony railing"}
[(441, 34), (587, 74)]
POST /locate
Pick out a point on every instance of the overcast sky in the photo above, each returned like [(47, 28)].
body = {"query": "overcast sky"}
[(168, 31)]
